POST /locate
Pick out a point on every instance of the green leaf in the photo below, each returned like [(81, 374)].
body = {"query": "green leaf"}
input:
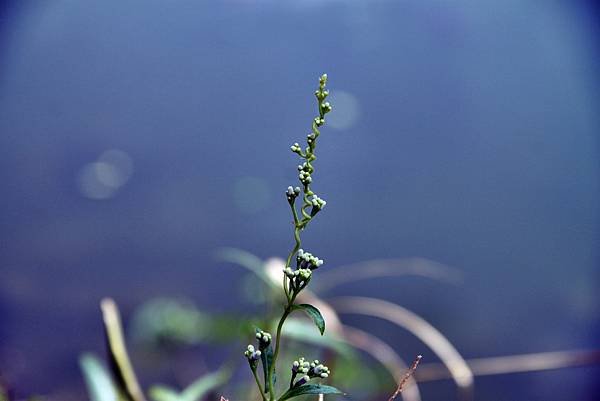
[(195, 391), (309, 389), (266, 358), (97, 379), (203, 385), (163, 393), (314, 314)]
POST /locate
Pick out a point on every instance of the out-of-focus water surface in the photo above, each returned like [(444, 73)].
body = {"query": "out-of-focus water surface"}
[(138, 137)]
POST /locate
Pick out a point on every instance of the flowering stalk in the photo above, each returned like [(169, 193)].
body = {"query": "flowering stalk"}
[(295, 279)]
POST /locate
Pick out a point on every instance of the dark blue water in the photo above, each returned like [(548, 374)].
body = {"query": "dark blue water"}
[(138, 137)]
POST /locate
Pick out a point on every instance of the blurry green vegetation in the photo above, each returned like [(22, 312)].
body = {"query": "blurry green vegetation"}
[(119, 382), (365, 366)]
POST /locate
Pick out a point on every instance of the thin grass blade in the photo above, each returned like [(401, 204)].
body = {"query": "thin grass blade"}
[(429, 335), (97, 379), (387, 268), (119, 358)]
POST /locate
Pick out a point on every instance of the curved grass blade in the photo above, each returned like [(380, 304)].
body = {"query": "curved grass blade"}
[(501, 365), (199, 388), (97, 379), (454, 362), (248, 261), (119, 359), (387, 268), (307, 389), (386, 356)]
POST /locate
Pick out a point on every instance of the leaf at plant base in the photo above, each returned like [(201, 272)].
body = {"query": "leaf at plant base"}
[(99, 384), (199, 388), (309, 389), (163, 393), (314, 314)]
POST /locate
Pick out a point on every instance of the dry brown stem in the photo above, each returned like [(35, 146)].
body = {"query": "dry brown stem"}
[(407, 376)]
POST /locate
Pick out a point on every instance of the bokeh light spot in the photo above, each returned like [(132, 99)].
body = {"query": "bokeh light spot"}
[(346, 110), (251, 194), (102, 178)]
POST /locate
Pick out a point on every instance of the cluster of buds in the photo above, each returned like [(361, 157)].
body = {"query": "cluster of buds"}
[(308, 370), (252, 355), (296, 148), (317, 205), (292, 194), (320, 93), (305, 167), (304, 172), (264, 339), (305, 177), (300, 366), (298, 278), (318, 370), (307, 260)]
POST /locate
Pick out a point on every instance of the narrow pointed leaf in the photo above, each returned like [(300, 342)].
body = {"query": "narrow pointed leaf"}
[(199, 388), (309, 389), (267, 359), (117, 352), (99, 384), (163, 393), (314, 314)]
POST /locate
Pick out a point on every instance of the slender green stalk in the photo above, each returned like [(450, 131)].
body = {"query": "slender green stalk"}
[(300, 225), (295, 280), (292, 253), (260, 388), (286, 313)]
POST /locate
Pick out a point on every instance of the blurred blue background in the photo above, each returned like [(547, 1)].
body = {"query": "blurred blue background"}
[(136, 138)]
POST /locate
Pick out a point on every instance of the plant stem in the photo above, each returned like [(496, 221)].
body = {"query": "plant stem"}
[(288, 309), (299, 225), (297, 229), (262, 392)]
